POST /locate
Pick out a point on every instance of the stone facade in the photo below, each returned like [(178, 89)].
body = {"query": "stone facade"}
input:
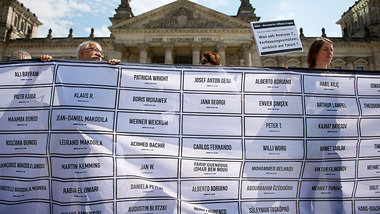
[(179, 32), (16, 21), (362, 20)]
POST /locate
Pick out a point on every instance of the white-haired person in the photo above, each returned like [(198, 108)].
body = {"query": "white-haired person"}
[(20, 55), (23, 55), (88, 50)]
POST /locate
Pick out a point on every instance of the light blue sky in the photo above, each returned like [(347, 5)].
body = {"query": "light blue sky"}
[(82, 15)]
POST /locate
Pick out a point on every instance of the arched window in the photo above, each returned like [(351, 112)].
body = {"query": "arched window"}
[(22, 26), (15, 23)]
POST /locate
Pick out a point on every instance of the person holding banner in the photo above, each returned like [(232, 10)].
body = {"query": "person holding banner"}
[(20, 55), (88, 50), (320, 53), (210, 58), (23, 55)]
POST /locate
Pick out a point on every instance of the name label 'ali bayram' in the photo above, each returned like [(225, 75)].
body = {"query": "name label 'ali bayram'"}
[(32, 74)]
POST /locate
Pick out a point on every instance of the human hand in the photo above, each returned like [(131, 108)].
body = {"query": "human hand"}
[(113, 61), (46, 58)]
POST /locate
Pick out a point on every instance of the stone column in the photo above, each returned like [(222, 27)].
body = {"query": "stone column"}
[(350, 63), (118, 52), (246, 47), (196, 53), (126, 55), (143, 52), (304, 62), (255, 58), (372, 63), (221, 48), (376, 55), (169, 53), (281, 61)]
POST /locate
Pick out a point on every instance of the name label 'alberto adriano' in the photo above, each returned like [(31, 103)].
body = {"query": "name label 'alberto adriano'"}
[(209, 189), (286, 81)]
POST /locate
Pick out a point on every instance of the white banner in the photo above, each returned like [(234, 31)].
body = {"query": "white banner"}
[(81, 138)]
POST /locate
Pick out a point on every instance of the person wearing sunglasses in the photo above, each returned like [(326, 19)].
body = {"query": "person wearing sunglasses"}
[(210, 58)]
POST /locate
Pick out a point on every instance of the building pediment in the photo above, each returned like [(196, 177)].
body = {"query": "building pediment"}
[(184, 18), (179, 15)]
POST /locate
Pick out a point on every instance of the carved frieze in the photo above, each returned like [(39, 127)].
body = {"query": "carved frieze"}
[(184, 18)]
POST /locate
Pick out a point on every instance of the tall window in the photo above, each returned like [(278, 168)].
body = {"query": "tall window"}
[(22, 27), (15, 23)]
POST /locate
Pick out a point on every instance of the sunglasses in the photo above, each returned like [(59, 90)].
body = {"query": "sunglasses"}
[(96, 50)]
